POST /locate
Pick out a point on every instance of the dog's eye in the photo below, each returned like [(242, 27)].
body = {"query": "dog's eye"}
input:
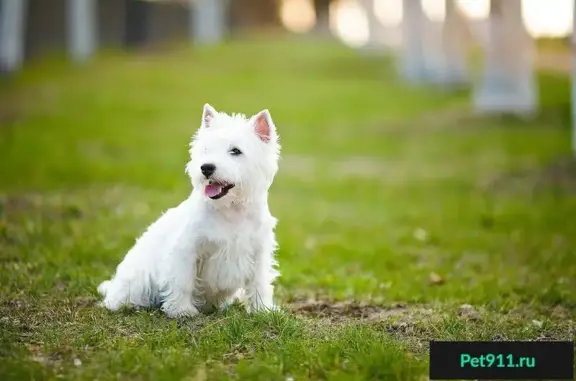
[(235, 152)]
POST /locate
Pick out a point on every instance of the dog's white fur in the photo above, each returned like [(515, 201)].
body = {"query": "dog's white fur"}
[(205, 253)]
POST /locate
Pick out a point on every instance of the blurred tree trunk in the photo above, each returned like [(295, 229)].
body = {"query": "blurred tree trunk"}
[(508, 82), (12, 29), (455, 39), (137, 23), (245, 14), (573, 52), (376, 31), (208, 20), (82, 29), (373, 23), (412, 54), (322, 10)]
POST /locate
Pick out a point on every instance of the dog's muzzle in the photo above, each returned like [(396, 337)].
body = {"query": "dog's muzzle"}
[(217, 189)]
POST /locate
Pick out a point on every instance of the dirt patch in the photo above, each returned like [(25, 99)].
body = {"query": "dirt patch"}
[(361, 166), (11, 111), (36, 205), (554, 61), (9, 117), (16, 204), (409, 323), (558, 177), (300, 166), (345, 311), (397, 172), (459, 118), (37, 354)]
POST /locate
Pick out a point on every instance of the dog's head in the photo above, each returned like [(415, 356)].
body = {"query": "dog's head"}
[(234, 158)]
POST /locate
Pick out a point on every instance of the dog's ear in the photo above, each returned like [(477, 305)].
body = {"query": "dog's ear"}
[(264, 126), (208, 114)]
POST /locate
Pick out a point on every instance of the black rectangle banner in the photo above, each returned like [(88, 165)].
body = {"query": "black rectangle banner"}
[(502, 360)]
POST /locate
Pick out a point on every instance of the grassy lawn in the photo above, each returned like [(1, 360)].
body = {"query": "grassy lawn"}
[(397, 207)]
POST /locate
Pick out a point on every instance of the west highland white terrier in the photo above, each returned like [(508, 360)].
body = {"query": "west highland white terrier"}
[(219, 244)]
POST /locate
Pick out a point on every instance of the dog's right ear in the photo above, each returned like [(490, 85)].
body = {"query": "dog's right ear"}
[(208, 114), (263, 125)]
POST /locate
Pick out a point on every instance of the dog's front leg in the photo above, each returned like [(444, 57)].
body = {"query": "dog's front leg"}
[(260, 289), (180, 280), (178, 299), (261, 298)]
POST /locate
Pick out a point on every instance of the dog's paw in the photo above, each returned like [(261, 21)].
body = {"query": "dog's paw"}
[(110, 305), (227, 303), (259, 307), (175, 310)]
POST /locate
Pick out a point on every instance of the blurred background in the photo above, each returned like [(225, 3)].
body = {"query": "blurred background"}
[(406, 112), (406, 116), (47, 25)]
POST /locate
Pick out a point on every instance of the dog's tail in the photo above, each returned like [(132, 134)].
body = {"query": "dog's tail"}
[(103, 288)]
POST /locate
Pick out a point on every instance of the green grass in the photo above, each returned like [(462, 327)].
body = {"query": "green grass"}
[(380, 187)]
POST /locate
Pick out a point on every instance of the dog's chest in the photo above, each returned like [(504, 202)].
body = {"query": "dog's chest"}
[(226, 259)]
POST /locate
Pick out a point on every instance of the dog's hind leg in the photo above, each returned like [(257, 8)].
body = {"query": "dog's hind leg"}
[(115, 296), (119, 292)]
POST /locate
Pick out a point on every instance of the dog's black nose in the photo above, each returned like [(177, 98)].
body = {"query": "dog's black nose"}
[(207, 169)]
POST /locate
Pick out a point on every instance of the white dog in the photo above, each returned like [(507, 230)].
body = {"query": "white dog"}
[(218, 244)]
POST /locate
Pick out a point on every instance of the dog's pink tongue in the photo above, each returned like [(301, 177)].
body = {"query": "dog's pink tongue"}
[(212, 190)]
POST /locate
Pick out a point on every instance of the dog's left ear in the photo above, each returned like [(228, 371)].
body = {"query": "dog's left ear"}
[(208, 114), (264, 126)]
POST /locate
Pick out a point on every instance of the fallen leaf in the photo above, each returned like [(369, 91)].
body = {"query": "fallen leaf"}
[(35, 349), (436, 279), (559, 312), (469, 312)]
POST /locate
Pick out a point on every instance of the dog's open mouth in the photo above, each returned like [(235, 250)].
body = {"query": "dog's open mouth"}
[(217, 189)]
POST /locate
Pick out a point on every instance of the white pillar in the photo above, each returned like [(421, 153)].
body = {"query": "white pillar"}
[(375, 28), (82, 24), (573, 51), (208, 20), (322, 27), (412, 55), (433, 49), (508, 83), (455, 38), (12, 30)]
